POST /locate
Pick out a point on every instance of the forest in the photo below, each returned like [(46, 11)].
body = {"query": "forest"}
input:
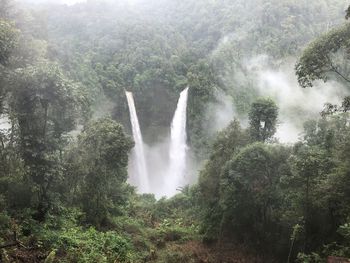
[(167, 131)]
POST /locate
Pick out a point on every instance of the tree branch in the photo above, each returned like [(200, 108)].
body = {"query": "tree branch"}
[(335, 70), (14, 243), (9, 245)]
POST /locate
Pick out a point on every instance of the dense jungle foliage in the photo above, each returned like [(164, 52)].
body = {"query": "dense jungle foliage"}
[(65, 133)]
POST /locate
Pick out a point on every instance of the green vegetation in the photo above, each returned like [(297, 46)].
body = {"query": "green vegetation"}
[(263, 119), (64, 194)]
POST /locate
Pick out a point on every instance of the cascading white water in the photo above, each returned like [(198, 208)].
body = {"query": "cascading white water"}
[(178, 147), (139, 174)]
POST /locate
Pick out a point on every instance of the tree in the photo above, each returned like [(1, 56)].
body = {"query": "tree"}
[(102, 158), (203, 84), (227, 143), (262, 119), (8, 40), (327, 57), (310, 166), (251, 194), (44, 107), (316, 61)]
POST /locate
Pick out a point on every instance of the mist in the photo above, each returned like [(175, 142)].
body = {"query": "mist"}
[(296, 105), (221, 112), (266, 77), (57, 2), (5, 124)]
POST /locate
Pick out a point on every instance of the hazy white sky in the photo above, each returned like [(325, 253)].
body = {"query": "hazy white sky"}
[(68, 2), (72, 2)]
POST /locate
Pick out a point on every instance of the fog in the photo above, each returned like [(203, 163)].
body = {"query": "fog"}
[(62, 2), (220, 113), (133, 3), (266, 79), (296, 105), (5, 124)]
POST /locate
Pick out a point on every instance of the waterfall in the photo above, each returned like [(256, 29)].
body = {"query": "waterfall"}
[(139, 174), (178, 147)]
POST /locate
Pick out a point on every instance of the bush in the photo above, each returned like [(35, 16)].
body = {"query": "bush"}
[(79, 245)]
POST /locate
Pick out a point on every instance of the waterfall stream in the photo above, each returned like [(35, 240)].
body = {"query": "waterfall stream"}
[(139, 174), (177, 151)]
